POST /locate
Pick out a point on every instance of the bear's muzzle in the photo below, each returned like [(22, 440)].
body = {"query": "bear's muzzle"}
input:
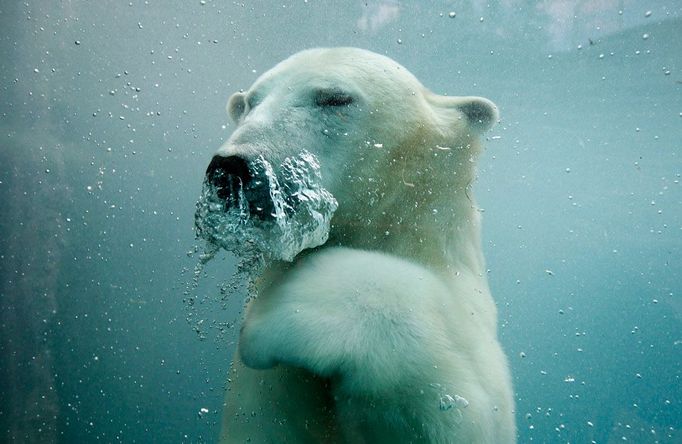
[(234, 180)]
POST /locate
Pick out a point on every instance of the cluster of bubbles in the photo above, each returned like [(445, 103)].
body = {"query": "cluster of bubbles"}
[(302, 210), (450, 402), (301, 216)]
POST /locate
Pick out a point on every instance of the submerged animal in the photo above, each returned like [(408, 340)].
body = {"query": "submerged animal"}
[(382, 329)]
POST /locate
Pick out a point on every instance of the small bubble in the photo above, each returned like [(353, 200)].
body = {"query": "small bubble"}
[(461, 402), (77, 42), (446, 402), (645, 36), (452, 14), (400, 41), (647, 14)]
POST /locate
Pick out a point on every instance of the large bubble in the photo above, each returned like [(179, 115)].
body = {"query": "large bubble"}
[(301, 212)]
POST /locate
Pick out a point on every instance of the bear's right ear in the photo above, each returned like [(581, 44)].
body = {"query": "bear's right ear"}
[(236, 106), (481, 114)]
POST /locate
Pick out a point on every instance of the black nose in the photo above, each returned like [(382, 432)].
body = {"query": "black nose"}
[(233, 180), (228, 175)]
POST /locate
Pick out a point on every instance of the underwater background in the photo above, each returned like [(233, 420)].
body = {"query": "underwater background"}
[(110, 112)]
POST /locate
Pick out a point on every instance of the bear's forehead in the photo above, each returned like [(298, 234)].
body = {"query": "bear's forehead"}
[(325, 67), (327, 59)]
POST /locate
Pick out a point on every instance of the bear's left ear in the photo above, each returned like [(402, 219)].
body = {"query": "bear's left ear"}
[(481, 113), (236, 106)]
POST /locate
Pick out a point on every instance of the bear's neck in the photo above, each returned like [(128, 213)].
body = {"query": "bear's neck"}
[(442, 234)]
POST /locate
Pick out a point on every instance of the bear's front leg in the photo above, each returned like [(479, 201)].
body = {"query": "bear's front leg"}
[(409, 358), (368, 318)]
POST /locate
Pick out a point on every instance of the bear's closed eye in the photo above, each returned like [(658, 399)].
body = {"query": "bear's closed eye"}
[(332, 98)]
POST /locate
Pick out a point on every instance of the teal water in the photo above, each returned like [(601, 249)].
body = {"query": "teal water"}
[(109, 116)]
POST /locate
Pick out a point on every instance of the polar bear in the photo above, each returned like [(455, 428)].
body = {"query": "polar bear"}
[(386, 333)]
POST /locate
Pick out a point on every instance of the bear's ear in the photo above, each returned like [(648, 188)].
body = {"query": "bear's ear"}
[(236, 106), (481, 113)]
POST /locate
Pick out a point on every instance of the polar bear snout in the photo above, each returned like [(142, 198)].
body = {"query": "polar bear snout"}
[(235, 181), (228, 174)]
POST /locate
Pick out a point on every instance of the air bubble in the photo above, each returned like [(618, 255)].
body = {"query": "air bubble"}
[(448, 401)]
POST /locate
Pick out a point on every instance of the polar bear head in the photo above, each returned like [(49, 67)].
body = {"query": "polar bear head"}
[(391, 154)]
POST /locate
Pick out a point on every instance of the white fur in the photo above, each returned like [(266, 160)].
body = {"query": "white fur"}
[(369, 339)]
